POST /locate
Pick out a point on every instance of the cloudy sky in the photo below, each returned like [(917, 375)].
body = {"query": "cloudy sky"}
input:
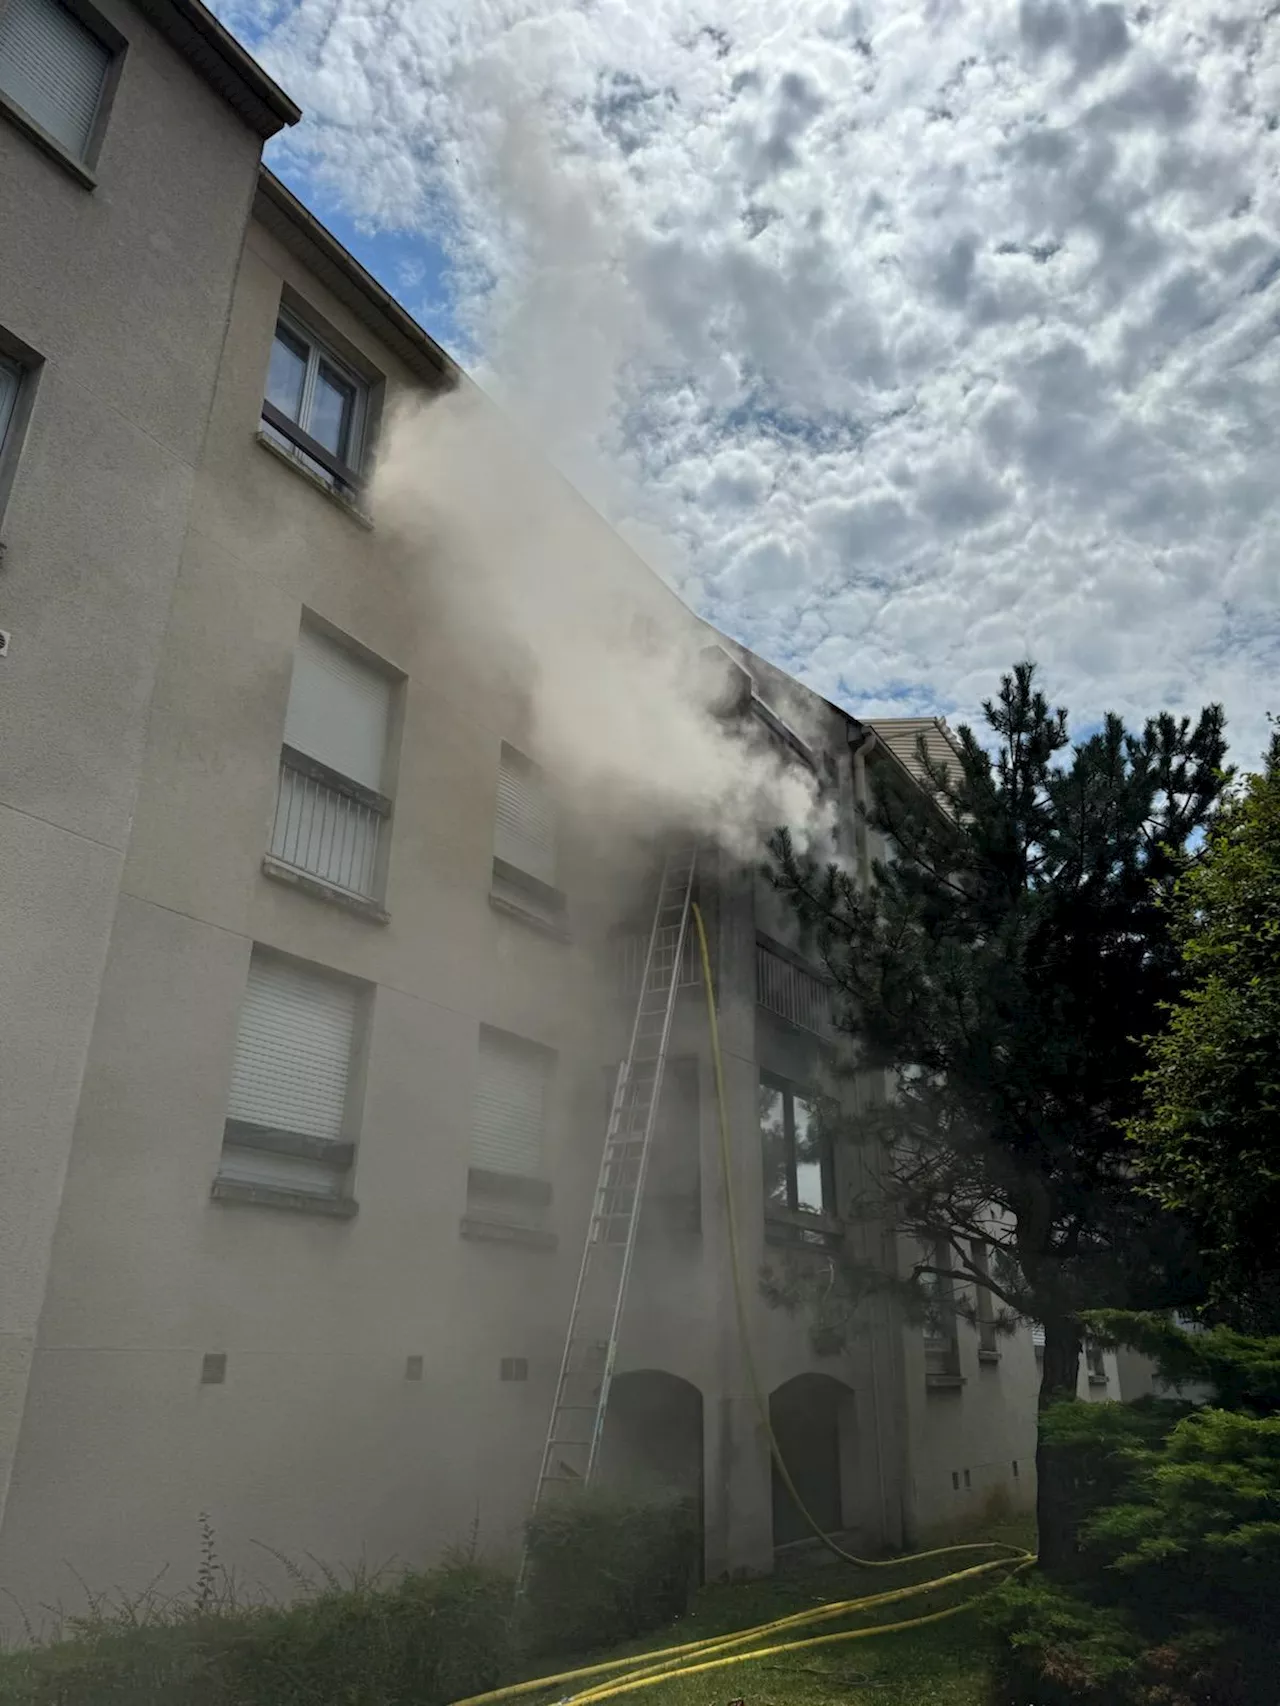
[(909, 340)]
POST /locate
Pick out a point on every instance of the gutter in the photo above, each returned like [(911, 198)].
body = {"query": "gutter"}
[(282, 213)]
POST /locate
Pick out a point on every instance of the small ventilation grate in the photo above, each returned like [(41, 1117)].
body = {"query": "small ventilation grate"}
[(514, 1368), (955, 1480), (213, 1370), (413, 1368)]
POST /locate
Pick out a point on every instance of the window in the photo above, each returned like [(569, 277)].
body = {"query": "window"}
[(789, 988), (54, 69), (315, 407), (10, 379), (330, 812), (289, 1109), (941, 1341), (1095, 1363), (509, 1113), (524, 840), (988, 1347), (673, 1176), (799, 1171), (525, 833)]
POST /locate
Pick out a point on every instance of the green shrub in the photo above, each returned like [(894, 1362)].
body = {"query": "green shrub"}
[(604, 1566), (1172, 1599), (422, 1639)]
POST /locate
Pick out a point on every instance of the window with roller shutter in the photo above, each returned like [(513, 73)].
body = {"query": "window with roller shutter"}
[(289, 1115), (53, 68), (331, 813), (509, 1114), (525, 826)]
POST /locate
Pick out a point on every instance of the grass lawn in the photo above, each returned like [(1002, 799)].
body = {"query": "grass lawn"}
[(942, 1664)]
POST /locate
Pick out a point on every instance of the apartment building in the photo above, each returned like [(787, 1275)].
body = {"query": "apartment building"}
[(318, 974)]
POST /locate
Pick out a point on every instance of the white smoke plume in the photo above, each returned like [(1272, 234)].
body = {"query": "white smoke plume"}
[(528, 577)]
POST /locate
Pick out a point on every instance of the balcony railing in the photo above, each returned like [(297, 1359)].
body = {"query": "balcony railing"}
[(326, 826), (629, 953), (792, 992)]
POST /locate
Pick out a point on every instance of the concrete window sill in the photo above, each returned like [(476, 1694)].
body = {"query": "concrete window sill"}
[(279, 872), (351, 510), (943, 1382), (271, 1196), (989, 1357), (1097, 1380), (47, 144), (509, 908), (495, 1231)]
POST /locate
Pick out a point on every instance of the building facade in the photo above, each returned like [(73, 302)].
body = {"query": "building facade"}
[(318, 974)]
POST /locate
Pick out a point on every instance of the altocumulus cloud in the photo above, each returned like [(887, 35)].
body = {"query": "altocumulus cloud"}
[(907, 339)]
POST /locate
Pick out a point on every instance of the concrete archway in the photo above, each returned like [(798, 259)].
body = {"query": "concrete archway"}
[(653, 1435), (813, 1420)]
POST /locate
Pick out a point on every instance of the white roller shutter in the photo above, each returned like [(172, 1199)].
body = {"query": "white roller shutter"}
[(53, 68), (338, 709), (510, 1105), (293, 1050), (525, 834), (1037, 1335)]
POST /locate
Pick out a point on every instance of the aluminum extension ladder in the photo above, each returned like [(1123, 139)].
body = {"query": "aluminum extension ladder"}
[(572, 1449)]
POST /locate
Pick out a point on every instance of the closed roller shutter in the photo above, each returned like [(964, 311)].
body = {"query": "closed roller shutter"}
[(293, 1050), (1037, 1335), (525, 834), (510, 1105), (53, 68), (338, 710)]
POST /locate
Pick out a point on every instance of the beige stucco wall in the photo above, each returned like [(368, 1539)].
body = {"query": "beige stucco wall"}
[(317, 1442), (122, 291)]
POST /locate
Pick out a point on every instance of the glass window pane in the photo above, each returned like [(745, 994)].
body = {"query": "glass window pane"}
[(332, 407), (773, 1139), (287, 372), (810, 1172)]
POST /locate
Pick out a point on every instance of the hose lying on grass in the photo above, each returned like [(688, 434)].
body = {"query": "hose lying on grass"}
[(693, 1658)]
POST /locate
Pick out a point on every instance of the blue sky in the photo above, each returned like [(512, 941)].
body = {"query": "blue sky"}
[(906, 340)]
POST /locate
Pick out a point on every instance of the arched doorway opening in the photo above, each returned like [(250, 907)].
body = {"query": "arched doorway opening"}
[(813, 1420), (653, 1436)]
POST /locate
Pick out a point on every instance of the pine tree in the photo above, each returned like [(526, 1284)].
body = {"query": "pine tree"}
[(996, 977)]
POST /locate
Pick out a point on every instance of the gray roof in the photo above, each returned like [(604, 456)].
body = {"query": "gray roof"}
[(901, 735)]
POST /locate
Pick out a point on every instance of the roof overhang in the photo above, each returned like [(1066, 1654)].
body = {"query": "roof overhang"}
[(279, 210), (219, 58)]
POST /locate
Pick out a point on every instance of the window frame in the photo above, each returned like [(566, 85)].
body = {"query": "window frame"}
[(80, 166), (337, 1155), (942, 1348), (25, 364), (790, 1091), (302, 446), (368, 903), (984, 1304)]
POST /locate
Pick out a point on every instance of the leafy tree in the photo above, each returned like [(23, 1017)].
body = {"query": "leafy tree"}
[(1208, 1139), (994, 977)]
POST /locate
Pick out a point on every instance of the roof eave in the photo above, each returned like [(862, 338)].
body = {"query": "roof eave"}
[(219, 58), (276, 207)]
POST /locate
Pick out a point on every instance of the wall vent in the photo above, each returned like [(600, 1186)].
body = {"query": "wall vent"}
[(413, 1368), (213, 1370), (513, 1368)]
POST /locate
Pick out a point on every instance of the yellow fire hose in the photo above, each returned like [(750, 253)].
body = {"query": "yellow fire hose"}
[(692, 1658)]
